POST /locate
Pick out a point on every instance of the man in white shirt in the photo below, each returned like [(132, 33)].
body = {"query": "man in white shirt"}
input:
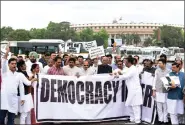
[(95, 65), (10, 83), (33, 59), (120, 68), (138, 66), (80, 60), (50, 64), (87, 70), (134, 98), (71, 69)]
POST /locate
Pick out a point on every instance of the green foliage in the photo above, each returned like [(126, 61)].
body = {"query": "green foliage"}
[(148, 42), (87, 34), (136, 39), (170, 36), (5, 31), (19, 35), (37, 33)]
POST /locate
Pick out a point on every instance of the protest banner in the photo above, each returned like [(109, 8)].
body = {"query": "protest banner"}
[(149, 104), (96, 51), (84, 99)]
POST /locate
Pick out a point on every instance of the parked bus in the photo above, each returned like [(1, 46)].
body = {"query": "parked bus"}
[(38, 45)]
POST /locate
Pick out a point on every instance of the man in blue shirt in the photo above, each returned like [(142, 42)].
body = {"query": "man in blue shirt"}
[(175, 103)]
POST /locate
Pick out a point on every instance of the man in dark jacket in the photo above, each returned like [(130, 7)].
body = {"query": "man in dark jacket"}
[(104, 67)]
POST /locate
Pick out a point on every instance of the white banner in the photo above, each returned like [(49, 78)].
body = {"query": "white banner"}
[(71, 47), (83, 99), (88, 45), (96, 51), (149, 104)]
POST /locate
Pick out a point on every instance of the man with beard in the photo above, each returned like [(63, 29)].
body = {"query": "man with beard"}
[(117, 58), (134, 98), (25, 105), (149, 67), (138, 66), (33, 60)]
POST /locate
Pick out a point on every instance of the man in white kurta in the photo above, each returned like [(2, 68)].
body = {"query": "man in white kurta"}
[(50, 64), (134, 99), (86, 70), (71, 69), (9, 98), (33, 59)]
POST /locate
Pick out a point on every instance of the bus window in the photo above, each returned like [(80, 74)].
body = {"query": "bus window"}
[(181, 50)]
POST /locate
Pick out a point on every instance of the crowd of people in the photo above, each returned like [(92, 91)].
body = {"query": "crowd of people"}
[(18, 75)]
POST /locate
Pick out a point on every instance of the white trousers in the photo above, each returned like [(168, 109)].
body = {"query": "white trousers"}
[(162, 112), (25, 118), (174, 119), (135, 114)]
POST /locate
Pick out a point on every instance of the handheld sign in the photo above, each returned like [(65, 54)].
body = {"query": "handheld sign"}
[(96, 51)]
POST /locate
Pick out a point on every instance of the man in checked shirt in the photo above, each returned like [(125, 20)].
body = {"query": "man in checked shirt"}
[(56, 69)]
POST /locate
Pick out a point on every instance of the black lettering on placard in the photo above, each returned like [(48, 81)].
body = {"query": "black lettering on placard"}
[(148, 96), (59, 92), (107, 87), (115, 88), (71, 92), (80, 88), (53, 90), (45, 90), (124, 91), (143, 89), (89, 92), (98, 93), (62, 91)]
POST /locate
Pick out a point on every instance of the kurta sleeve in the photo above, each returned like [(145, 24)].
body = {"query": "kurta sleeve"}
[(21, 90), (24, 80), (154, 81), (4, 65), (127, 75)]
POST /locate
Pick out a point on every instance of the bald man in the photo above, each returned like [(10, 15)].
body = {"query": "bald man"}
[(50, 64), (87, 70), (104, 67)]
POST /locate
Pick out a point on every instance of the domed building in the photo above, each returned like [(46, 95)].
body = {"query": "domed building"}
[(115, 29)]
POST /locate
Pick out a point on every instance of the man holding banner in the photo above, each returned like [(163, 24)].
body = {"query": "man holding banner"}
[(134, 98)]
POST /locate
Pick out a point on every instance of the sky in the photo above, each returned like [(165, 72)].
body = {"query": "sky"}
[(37, 14)]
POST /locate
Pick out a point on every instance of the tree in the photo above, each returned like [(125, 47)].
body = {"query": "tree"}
[(170, 36), (53, 31), (101, 38), (148, 42), (37, 33), (87, 34), (136, 39), (19, 35), (5, 32), (128, 39)]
